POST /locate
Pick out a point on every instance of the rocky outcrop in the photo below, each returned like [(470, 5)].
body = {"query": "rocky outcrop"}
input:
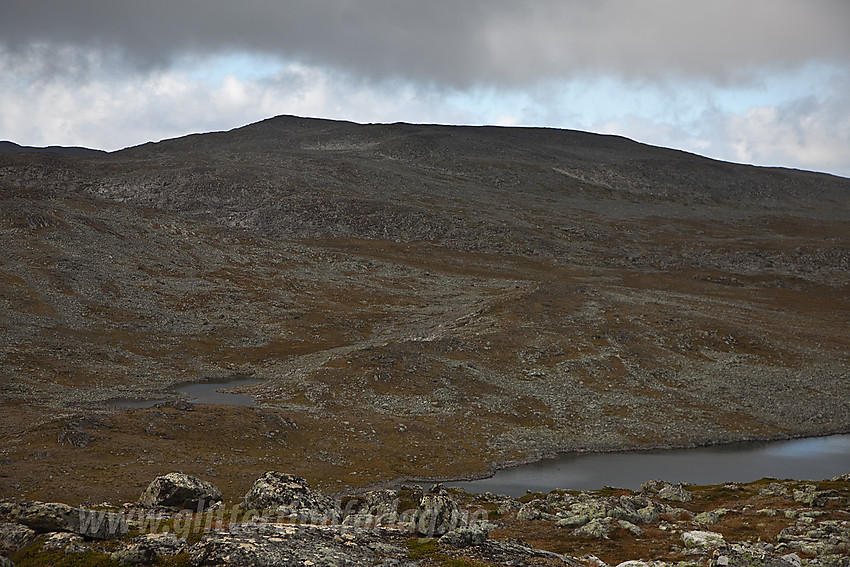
[(828, 538), (180, 491), (58, 517), (698, 539), (750, 555), (465, 536), (711, 516), (443, 527), (148, 548), (14, 537), (666, 491), (279, 545), (48, 517), (65, 541), (437, 514), (290, 495), (376, 507), (811, 496), (577, 511)]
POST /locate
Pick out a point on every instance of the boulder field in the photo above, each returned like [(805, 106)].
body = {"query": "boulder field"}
[(282, 520)]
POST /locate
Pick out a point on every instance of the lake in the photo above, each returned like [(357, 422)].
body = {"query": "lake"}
[(813, 458), (199, 393)]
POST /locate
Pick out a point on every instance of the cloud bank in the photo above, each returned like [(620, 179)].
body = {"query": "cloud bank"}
[(695, 75)]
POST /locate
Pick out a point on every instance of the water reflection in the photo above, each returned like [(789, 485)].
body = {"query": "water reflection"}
[(199, 393), (208, 392), (805, 459)]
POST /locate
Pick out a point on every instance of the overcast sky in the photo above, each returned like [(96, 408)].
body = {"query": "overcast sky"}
[(754, 81)]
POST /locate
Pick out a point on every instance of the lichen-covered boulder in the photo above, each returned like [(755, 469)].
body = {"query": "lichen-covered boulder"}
[(599, 528), (57, 517), (754, 555), (289, 494), (180, 491), (465, 536), (699, 539), (667, 491), (711, 516), (48, 517), (146, 549), (14, 537), (811, 496), (287, 544), (371, 508), (437, 515)]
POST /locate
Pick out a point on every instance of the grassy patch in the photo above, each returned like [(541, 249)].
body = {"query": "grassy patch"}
[(179, 560), (429, 549), (36, 556)]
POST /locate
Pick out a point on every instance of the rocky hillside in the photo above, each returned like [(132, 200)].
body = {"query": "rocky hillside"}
[(413, 301), (181, 520)]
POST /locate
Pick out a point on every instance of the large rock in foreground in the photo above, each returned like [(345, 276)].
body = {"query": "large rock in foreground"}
[(291, 495), (147, 549), (14, 537), (438, 514), (275, 545), (181, 491), (46, 517)]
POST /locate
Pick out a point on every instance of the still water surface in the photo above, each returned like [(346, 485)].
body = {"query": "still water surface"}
[(199, 393), (814, 458)]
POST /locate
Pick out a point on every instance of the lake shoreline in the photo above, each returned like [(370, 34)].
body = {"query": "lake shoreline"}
[(537, 459)]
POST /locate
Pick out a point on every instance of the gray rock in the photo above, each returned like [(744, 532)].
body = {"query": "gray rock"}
[(675, 493), (775, 489), (291, 495), (599, 528), (630, 527), (369, 520), (61, 540), (592, 508), (48, 517), (573, 521), (100, 524), (284, 545), (57, 517), (648, 514), (636, 509), (746, 555), (710, 517), (466, 536), (180, 491), (528, 511), (593, 561), (653, 486), (701, 540), (148, 548), (667, 491), (14, 537), (811, 496), (379, 504), (437, 515)]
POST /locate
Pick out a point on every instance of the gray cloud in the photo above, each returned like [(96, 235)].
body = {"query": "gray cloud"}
[(107, 73), (452, 42)]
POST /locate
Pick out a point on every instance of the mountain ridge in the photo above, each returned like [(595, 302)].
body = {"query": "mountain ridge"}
[(421, 301)]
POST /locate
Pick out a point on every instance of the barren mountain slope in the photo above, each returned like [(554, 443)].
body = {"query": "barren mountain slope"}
[(416, 301)]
